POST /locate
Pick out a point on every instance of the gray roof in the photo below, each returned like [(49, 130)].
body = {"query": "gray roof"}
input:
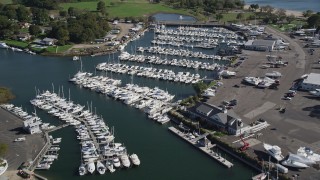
[(313, 78), (204, 109), (48, 39), (263, 42)]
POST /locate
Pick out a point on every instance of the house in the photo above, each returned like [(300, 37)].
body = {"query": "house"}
[(219, 117), (23, 36), (260, 45), (24, 25), (311, 82), (48, 41)]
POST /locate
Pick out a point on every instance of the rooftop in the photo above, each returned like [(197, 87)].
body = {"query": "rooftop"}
[(313, 78)]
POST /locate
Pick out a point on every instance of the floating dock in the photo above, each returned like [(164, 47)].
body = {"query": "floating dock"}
[(206, 149)]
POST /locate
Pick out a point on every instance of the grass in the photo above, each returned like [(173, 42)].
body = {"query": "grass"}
[(134, 8), (229, 17), (6, 1), (5, 95), (58, 49), (287, 27), (19, 44)]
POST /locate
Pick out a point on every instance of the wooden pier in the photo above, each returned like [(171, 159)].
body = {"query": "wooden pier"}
[(206, 149)]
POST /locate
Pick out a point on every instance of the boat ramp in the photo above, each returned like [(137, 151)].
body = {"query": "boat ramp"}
[(206, 147)]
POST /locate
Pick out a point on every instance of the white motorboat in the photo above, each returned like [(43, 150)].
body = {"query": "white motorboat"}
[(308, 153), (226, 73), (260, 176), (209, 93), (20, 139), (101, 168), (109, 165), (91, 167), (3, 45), (125, 160), (293, 163), (75, 58), (301, 159), (135, 159), (116, 162), (252, 80), (274, 74), (274, 151), (82, 170), (315, 92)]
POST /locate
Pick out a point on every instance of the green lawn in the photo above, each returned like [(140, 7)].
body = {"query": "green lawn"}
[(135, 8), (5, 1), (58, 49), (228, 17), (19, 44)]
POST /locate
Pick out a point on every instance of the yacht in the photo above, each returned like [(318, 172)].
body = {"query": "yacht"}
[(135, 159), (260, 176), (274, 151), (82, 170), (109, 165), (308, 153), (301, 159), (274, 74), (75, 58), (3, 45), (252, 80), (100, 167), (125, 160), (91, 167), (315, 92), (116, 162), (226, 73), (293, 163)]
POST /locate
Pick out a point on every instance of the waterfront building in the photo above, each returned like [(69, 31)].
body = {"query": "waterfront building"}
[(32, 125), (260, 45), (311, 82), (219, 117)]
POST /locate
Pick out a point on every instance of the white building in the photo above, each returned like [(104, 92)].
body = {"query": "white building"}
[(32, 125), (311, 82), (260, 45)]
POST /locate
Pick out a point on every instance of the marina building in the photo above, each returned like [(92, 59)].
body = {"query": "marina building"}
[(221, 118), (32, 125), (311, 82), (260, 45)]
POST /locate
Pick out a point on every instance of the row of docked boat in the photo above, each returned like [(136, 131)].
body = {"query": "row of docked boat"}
[(212, 32), (47, 160), (304, 157), (32, 123), (125, 56), (180, 52), (153, 101), (161, 74), (96, 139)]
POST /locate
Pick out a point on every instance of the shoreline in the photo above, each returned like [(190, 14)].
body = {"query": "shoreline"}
[(288, 11)]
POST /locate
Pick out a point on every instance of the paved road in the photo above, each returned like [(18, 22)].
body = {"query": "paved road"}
[(18, 152)]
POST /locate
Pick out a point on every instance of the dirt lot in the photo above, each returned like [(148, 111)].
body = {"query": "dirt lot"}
[(299, 125)]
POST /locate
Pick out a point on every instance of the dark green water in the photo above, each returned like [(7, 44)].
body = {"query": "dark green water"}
[(162, 154)]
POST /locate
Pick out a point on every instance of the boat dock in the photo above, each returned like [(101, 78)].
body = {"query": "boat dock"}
[(206, 149)]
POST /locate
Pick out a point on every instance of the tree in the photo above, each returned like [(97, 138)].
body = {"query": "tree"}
[(307, 13), (6, 28), (63, 13), (40, 16), (290, 18), (314, 20), (72, 11), (10, 11), (219, 17), (281, 13), (101, 6), (23, 14), (34, 30), (3, 149), (200, 87)]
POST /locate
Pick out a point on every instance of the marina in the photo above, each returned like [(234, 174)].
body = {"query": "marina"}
[(155, 102), (96, 139)]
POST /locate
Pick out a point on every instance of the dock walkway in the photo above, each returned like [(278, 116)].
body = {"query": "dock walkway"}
[(207, 149)]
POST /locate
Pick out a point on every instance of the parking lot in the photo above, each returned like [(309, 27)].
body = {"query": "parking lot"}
[(299, 124), (18, 152)]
